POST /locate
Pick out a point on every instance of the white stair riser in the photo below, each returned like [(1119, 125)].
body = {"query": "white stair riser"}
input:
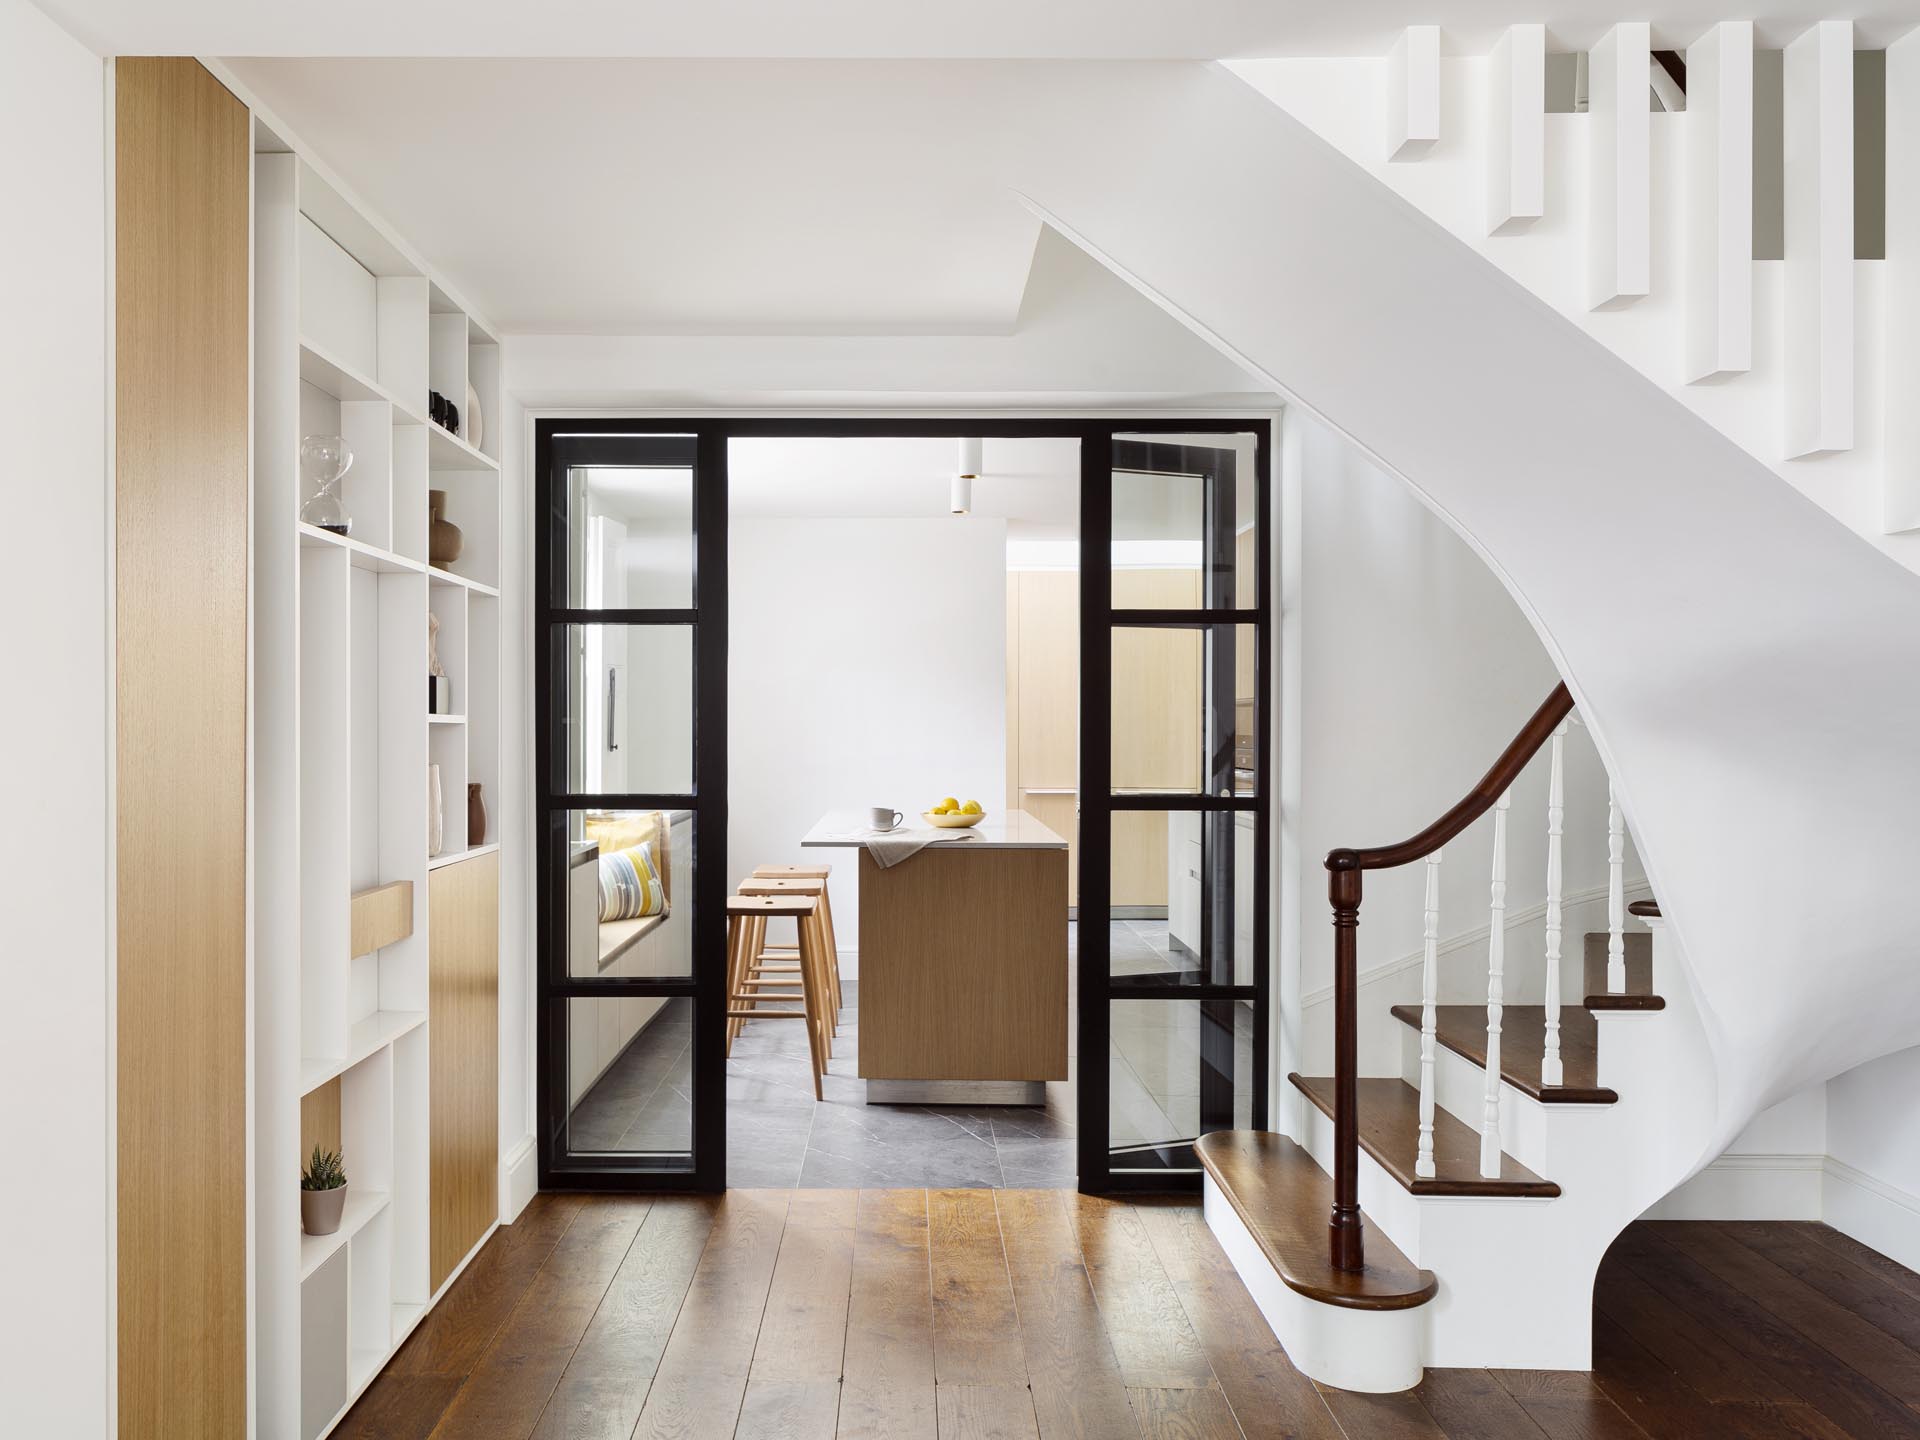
[(1460, 1088)]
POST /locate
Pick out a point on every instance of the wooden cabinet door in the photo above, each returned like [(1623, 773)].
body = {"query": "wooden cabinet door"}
[(463, 1048), (1048, 676)]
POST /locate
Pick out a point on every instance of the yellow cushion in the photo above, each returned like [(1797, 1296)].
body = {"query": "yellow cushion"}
[(623, 830)]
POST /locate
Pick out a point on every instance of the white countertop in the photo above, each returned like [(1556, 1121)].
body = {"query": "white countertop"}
[(1005, 830)]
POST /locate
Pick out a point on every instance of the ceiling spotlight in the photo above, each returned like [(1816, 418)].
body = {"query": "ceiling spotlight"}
[(964, 477)]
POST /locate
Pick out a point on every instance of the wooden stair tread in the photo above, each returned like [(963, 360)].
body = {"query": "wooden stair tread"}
[(1283, 1198), (1639, 992), (1390, 1132), (1523, 1040)]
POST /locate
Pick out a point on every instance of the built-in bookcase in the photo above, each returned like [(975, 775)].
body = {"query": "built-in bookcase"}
[(350, 337)]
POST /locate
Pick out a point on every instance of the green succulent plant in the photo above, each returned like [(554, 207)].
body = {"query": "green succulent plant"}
[(325, 1171)]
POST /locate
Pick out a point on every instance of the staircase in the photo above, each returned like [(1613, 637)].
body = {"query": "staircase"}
[(1495, 1170), (1747, 665)]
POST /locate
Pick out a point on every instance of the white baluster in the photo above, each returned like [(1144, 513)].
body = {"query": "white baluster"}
[(1556, 811), (1616, 897), (1496, 982), (1429, 994)]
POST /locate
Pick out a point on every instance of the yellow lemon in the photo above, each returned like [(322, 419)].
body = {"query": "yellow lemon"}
[(947, 806), (972, 807)]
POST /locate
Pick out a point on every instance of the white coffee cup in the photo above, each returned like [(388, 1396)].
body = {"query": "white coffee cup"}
[(883, 818)]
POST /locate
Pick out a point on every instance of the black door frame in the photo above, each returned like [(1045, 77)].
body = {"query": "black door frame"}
[(560, 442)]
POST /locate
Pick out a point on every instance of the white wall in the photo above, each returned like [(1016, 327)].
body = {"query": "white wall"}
[(1872, 1180), (514, 816), (1416, 670), (56, 860), (866, 666)]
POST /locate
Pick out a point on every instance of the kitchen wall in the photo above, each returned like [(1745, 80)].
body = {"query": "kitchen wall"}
[(56, 856), (866, 666)]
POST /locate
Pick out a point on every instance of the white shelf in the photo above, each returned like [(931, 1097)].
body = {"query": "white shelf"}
[(405, 1317), (377, 1031), (359, 553), (363, 1365), (361, 1206), (453, 857), (446, 719), (344, 382), (438, 576), (447, 451)]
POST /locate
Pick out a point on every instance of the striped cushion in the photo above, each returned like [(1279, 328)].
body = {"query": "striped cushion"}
[(630, 885)]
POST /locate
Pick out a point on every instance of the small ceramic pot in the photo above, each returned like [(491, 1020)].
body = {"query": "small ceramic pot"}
[(476, 815), (320, 1210), (444, 540)]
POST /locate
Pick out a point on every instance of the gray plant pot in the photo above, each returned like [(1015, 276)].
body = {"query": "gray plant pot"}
[(320, 1210)]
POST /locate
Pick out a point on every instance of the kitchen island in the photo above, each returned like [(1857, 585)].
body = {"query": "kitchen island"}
[(963, 963)]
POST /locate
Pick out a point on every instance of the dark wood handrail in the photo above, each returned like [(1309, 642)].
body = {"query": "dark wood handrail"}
[(1344, 869)]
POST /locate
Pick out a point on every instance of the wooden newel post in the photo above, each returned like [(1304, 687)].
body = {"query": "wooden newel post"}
[(1344, 1231)]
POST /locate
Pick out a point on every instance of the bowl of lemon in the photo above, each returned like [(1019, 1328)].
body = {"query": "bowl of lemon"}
[(950, 814)]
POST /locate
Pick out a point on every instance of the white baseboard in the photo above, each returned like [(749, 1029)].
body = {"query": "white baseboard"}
[(1748, 1187), (1877, 1214), (519, 1179)]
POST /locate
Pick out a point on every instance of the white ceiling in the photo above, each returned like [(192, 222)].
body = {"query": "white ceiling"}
[(681, 197), (894, 29)]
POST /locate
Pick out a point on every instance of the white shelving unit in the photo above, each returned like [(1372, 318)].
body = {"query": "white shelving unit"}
[(350, 336)]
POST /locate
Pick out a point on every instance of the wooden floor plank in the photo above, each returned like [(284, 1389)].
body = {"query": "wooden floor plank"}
[(1185, 1414), (1567, 1405), (702, 1377), (605, 1384), (1694, 1348), (1152, 1338), (1270, 1398), (1874, 1297), (1647, 1392), (793, 1389), (976, 1333), (789, 1410), (508, 1389), (1839, 1363), (1075, 1378), (1382, 1417), (1850, 1249), (1473, 1402), (986, 1412), (888, 1392)]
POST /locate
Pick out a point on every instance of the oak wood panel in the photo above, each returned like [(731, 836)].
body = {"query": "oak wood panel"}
[(1269, 1396), (1060, 813), (1567, 1405), (1472, 1402), (181, 198), (380, 916), (320, 1119), (963, 966), (790, 1410), (1283, 1198), (702, 1377), (1153, 1341), (1138, 858), (605, 1384), (1390, 1133), (463, 982), (1048, 678), (1190, 1414), (803, 1333), (1523, 1044), (888, 1387), (1874, 1297), (507, 1391), (1075, 1377), (986, 1412), (976, 1337), (1156, 686)]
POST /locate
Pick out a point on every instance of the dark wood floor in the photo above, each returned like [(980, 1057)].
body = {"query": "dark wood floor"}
[(900, 1314)]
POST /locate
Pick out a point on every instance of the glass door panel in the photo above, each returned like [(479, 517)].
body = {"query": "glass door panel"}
[(631, 558), (1174, 983)]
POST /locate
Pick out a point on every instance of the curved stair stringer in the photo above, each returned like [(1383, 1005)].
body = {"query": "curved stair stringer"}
[(1516, 1275), (1749, 668)]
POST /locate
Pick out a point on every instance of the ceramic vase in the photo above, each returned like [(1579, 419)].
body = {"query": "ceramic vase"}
[(320, 1210), (444, 540), (476, 815), (436, 816)]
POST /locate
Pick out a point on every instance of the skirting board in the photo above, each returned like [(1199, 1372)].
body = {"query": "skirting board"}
[(1748, 1187), (519, 1179), (1873, 1212)]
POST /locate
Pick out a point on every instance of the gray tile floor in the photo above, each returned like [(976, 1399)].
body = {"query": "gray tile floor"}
[(777, 1135)]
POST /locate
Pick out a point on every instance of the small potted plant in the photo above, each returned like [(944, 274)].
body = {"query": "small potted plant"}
[(323, 1192)]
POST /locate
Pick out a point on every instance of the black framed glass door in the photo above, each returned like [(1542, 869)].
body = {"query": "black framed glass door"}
[(630, 737), (1174, 916)]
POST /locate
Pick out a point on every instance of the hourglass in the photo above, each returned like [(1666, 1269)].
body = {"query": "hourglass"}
[(324, 460)]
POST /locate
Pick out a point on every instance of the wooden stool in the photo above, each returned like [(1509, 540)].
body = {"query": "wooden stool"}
[(782, 957), (747, 917), (820, 873)]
